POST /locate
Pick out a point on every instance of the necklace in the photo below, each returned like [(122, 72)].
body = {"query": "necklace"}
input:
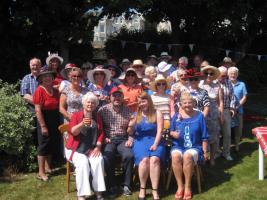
[(50, 92)]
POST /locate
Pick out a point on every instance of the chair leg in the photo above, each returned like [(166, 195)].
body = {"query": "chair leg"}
[(68, 176), (170, 173), (198, 178)]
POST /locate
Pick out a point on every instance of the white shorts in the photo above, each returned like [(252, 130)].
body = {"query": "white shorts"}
[(193, 152)]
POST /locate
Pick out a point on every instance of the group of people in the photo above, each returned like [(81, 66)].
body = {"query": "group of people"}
[(123, 110)]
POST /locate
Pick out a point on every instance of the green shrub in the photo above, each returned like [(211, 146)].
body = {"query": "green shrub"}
[(16, 124)]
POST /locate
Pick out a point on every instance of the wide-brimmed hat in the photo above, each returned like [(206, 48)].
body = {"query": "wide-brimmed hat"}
[(163, 66), (116, 68), (122, 77), (212, 68), (165, 55), (44, 71), (126, 61), (138, 62), (159, 78), (191, 73), (53, 55), (90, 74), (67, 67)]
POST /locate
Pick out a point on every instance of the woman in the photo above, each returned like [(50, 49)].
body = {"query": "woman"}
[(46, 101), (190, 140), (215, 115), (71, 96), (65, 73), (139, 67), (115, 73), (160, 99), (240, 92), (148, 148), (151, 72), (177, 89), (53, 62), (83, 148), (130, 88), (85, 68), (99, 78)]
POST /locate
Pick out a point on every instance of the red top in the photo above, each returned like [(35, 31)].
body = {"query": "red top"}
[(73, 141), (58, 79), (47, 102)]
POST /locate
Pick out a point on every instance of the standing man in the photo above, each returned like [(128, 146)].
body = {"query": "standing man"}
[(229, 103), (116, 118), (28, 87)]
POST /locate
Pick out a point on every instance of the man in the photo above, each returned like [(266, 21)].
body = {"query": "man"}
[(28, 86), (116, 118), (182, 64), (229, 102)]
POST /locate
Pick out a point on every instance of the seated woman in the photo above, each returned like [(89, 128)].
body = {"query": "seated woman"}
[(190, 140), (148, 148), (84, 148)]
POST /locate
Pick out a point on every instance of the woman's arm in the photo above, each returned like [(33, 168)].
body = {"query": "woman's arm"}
[(206, 110), (63, 106), (159, 122), (40, 118), (220, 103), (205, 149)]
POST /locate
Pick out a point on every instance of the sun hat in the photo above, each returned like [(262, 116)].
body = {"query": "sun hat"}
[(212, 68), (163, 66), (138, 62), (153, 56), (122, 77), (44, 71), (165, 54), (191, 73), (126, 61), (53, 55), (159, 78), (99, 68), (67, 67), (116, 68)]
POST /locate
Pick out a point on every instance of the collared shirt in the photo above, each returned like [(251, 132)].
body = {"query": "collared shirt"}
[(28, 85), (229, 100), (115, 123), (240, 91)]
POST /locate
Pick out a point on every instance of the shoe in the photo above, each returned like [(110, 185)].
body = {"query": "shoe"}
[(229, 158), (187, 195), (217, 155), (126, 191), (112, 192), (42, 178), (142, 198), (179, 195), (157, 198)]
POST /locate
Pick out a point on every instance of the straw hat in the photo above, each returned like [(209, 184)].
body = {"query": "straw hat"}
[(122, 77), (53, 55), (138, 62), (90, 74), (159, 78), (212, 68)]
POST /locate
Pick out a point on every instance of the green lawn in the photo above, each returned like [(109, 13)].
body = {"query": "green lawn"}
[(228, 180)]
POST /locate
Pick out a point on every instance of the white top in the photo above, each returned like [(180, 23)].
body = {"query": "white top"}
[(162, 103)]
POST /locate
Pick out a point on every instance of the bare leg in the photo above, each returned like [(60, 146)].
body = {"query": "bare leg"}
[(178, 170), (188, 165), (213, 148), (41, 166), (48, 168), (155, 175), (143, 171)]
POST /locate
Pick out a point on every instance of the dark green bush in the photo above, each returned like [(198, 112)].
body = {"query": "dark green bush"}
[(16, 124)]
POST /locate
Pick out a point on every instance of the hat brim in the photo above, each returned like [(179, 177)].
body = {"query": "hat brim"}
[(90, 75), (44, 73), (123, 75), (117, 69), (166, 68), (54, 56), (214, 69), (154, 83), (133, 65)]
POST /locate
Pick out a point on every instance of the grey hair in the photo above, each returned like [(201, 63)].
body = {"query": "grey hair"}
[(180, 71), (233, 69), (89, 96), (37, 59), (222, 69), (149, 70), (185, 59)]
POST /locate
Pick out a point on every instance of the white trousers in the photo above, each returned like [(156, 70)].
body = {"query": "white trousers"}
[(226, 132), (84, 166)]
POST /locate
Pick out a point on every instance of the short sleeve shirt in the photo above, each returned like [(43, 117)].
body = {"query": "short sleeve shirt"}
[(47, 102)]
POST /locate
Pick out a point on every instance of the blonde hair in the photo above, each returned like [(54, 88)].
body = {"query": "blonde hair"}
[(186, 96), (151, 116), (150, 70), (76, 69)]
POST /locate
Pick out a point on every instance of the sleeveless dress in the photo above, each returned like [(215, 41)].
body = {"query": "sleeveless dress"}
[(145, 133), (213, 117)]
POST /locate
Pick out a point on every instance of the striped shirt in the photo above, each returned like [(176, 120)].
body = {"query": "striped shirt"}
[(229, 100), (115, 123), (201, 97), (28, 85)]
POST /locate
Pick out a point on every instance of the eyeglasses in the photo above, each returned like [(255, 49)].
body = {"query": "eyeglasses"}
[(145, 83), (161, 84), (76, 76), (138, 66), (99, 74), (131, 74), (209, 74), (193, 79)]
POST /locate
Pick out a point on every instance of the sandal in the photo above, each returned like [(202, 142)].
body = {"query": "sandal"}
[(42, 178), (156, 190), (188, 195), (179, 195), (142, 198)]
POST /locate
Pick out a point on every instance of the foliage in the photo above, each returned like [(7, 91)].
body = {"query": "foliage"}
[(15, 126)]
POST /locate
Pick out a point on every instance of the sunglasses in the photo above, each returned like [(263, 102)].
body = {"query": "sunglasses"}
[(99, 74), (193, 79), (76, 76), (209, 74), (117, 94), (161, 84), (223, 76), (145, 83), (138, 66), (131, 74)]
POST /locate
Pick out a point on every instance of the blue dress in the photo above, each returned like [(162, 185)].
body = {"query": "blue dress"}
[(145, 134), (192, 132)]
